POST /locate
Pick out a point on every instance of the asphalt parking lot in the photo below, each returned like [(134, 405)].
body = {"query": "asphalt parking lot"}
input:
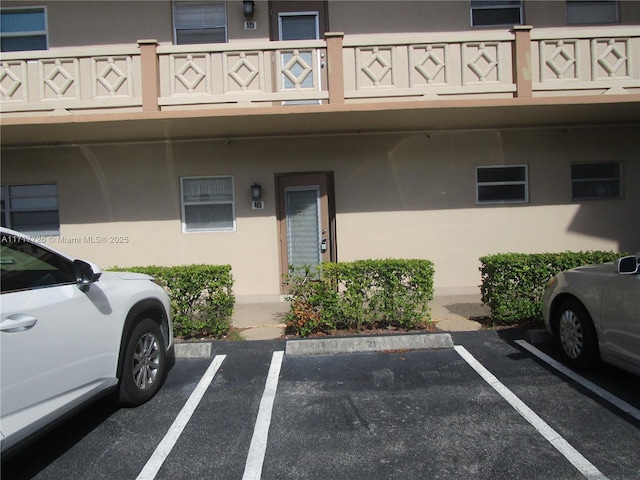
[(489, 405)]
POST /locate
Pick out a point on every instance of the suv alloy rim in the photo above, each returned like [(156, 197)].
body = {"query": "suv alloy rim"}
[(146, 361)]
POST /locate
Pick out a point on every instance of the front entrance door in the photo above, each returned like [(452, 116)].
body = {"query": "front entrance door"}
[(306, 220)]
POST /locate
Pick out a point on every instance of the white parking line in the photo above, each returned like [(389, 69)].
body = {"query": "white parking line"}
[(577, 460), (258, 447), (163, 449), (601, 392)]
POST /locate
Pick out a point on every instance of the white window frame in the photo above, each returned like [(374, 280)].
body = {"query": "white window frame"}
[(197, 27), (595, 180), (232, 202), (29, 33), (496, 6), (8, 208), (524, 182), (578, 14)]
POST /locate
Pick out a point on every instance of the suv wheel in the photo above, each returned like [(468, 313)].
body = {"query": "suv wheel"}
[(144, 364)]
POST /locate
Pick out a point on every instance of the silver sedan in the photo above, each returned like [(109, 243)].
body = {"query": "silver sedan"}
[(593, 313)]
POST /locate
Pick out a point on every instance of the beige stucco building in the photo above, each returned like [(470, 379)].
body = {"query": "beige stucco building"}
[(132, 132)]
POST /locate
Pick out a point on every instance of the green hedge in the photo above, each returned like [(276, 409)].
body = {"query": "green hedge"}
[(513, 283), (360, 295), (201, 297)]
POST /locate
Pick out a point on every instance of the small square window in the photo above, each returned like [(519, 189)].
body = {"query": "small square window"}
[(584, 12), (502, 184), (591, 181), (31, 209), (493, 13), (207, 204), (23, 29), (199, 22)]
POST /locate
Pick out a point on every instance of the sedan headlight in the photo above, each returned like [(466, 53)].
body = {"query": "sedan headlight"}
[(552, 282)]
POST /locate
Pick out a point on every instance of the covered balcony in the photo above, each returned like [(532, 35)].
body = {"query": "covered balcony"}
[(342, 84)]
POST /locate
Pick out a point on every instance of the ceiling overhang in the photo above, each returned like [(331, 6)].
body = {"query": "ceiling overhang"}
[(282, 121)]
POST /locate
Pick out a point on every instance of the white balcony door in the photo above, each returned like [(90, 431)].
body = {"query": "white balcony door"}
[(299, 26)]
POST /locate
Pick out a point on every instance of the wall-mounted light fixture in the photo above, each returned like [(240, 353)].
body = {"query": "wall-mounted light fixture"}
[(256, 192), (248, 7)]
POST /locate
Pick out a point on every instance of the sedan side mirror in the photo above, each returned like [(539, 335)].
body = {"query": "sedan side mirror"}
[(627, 265), (85, 275)]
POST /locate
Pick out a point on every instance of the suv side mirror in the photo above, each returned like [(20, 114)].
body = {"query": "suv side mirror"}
[(85, 275), (627, 265)]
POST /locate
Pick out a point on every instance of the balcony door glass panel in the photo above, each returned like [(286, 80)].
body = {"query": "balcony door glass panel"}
[(303, 226), (299, 26)]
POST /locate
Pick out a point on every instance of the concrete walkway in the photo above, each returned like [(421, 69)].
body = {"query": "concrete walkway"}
[(265, 321)]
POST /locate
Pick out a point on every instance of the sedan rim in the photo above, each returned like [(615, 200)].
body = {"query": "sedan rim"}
[(146, 361), (571, 335)]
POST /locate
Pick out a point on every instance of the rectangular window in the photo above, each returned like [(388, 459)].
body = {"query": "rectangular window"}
[(595, 181), (208, 204), (502, 184), (199, 22), (23, 29), (31, 209), (493, 13), (581, 12)]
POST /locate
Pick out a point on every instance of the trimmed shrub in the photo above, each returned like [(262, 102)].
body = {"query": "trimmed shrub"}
[(513, 283), (201, 297), (360, 295)]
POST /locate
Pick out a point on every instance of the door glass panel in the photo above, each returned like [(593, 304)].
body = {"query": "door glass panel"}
[(303, 226), (301, 67), (299, 27)]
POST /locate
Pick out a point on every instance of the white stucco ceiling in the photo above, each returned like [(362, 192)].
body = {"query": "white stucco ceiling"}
[(270, 121)]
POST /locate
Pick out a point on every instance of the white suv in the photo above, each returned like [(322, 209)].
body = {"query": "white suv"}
[(70, 333)]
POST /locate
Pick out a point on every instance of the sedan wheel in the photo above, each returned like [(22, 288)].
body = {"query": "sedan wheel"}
[(575, 335), (144, 364), (571, 336)]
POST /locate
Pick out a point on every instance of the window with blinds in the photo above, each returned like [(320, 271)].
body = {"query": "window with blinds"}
[(581, 12), (207, 204), (491, 13), (31, 209), (299, 26), (23, 29), (199, 22)]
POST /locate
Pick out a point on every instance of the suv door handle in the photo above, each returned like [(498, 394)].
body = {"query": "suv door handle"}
[(18, 323)]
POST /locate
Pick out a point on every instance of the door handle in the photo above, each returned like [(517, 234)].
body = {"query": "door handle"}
[(323, 245), (18, 323)]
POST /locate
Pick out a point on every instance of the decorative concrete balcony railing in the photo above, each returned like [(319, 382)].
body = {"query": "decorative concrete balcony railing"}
[(522, 62)]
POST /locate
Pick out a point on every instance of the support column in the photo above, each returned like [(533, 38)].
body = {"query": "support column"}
[(335, 64), (150, 75), (522, 61)]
